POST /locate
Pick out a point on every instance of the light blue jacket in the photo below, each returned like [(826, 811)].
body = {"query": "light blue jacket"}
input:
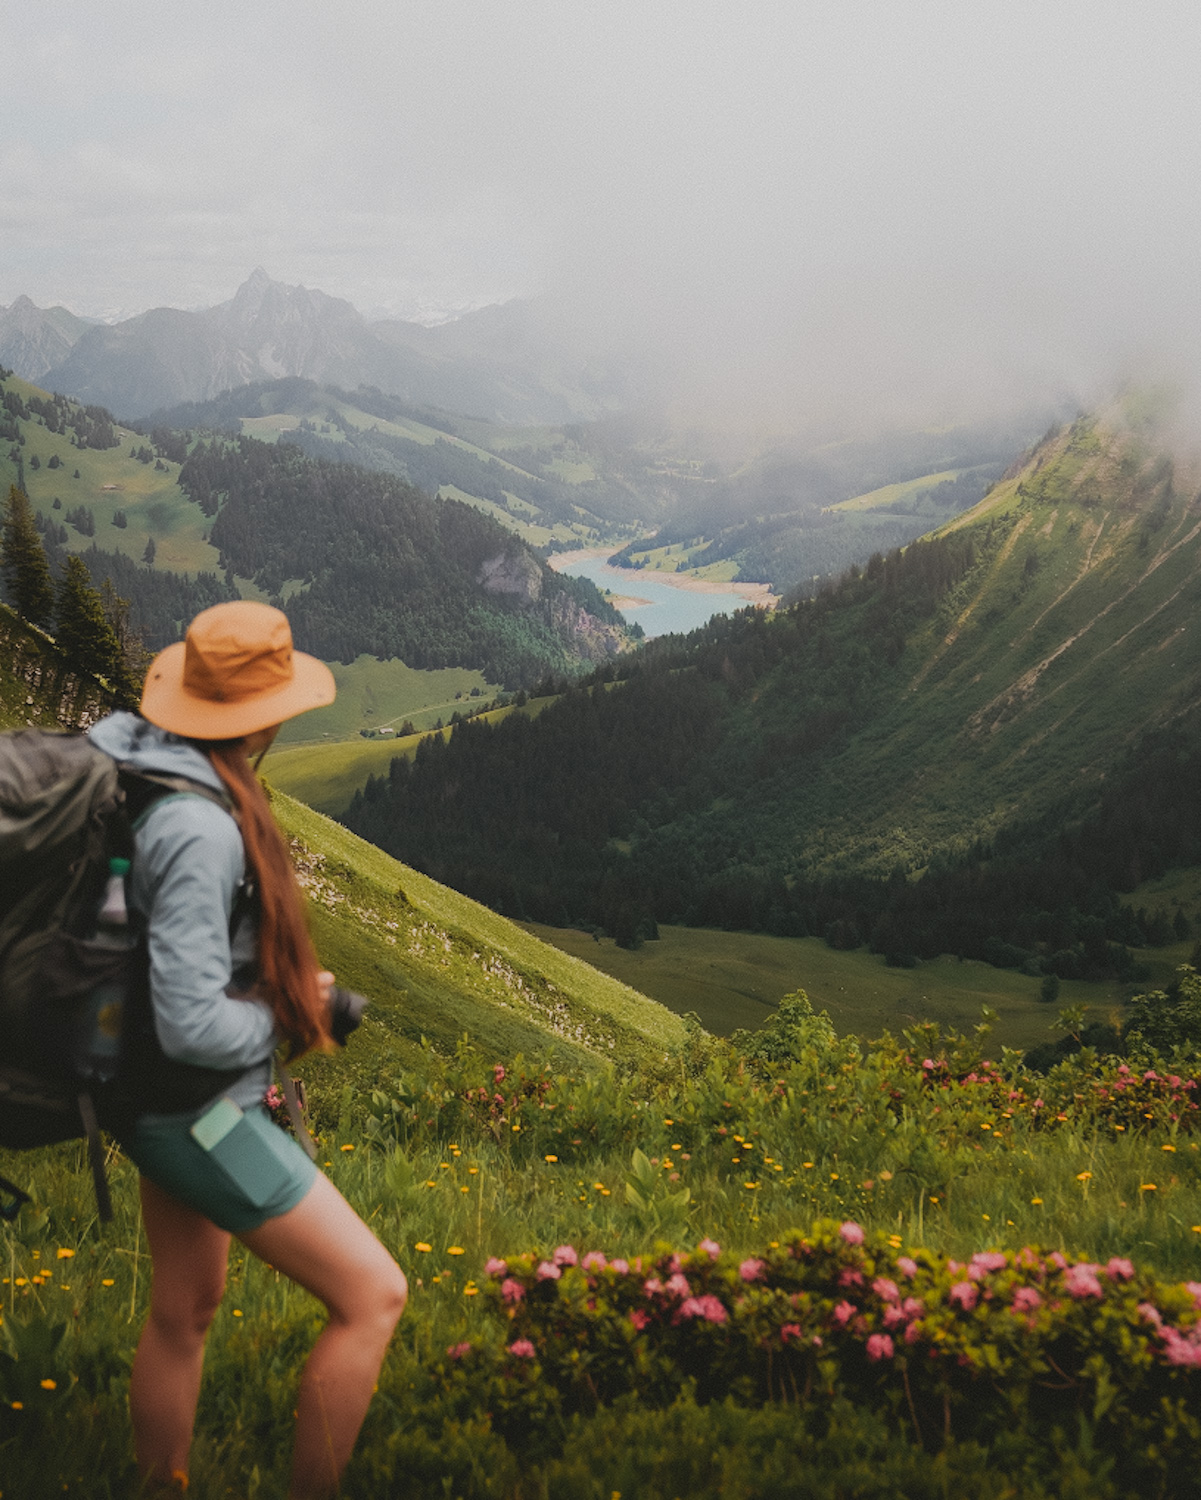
[(188, 865)]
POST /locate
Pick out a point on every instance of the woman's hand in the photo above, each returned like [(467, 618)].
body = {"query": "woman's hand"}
[(325, 986)]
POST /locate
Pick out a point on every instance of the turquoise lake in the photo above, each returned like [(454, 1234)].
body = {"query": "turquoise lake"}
[(670, 607)]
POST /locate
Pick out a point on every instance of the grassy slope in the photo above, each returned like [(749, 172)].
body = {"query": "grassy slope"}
[(151, 499), (887, 496), (439, 965), (1040, 669)]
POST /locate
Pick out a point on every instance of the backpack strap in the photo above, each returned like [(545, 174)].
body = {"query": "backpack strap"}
[(91, 1127), (10, 1211)]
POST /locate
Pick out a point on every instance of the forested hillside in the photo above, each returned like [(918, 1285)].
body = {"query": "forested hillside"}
[(547, 483), (374, 566), (369, 564), (974, 746)]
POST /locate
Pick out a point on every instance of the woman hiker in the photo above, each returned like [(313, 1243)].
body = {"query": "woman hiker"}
[(230, 978)]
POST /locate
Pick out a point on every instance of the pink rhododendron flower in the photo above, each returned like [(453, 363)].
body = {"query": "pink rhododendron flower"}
[(913, 1307), (457, 1351), (711, 1248), (678, 1285), (928, 1064), (522, 1348), (851, 1233), (1027, 1259), (843, 1313), (622, 1267), (496, 1267), (848, 1276), (1058, 1260), (894, 1317), (1193, 1288), (548, 1271), (1151, 1313), (1119, 1269), (674, 1264), (1183, 1349), (1081, 1281), (790, 1331), (565, 1256), (965, 1294), (886, 1290), (912, 1334), (639, 1319), (710, 1308), (498, 1073), (1026, 1299), (595, 1260), (907, 1265), (751, 1270), (879, 1346), (511, 1291), (652, 1286), (986, 1261)]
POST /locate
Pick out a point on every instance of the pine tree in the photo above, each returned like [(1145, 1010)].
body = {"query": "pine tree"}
[(25, 569), (83, 632)]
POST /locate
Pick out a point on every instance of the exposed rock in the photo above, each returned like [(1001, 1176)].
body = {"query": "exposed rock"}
[(512, 573)]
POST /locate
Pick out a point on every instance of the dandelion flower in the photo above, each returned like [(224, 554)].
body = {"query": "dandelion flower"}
[(348, 1148), (48, 1385), (550, 1157), (1083, 1176), (64, 1254), (421, 1245), (454, 1250)]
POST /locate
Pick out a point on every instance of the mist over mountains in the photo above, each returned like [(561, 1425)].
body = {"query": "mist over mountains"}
[(505, 364)]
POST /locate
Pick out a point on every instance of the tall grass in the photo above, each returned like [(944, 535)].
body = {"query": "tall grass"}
[(448, 1177)]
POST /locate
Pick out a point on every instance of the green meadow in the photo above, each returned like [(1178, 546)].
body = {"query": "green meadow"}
[(735, 979), (374, 694)]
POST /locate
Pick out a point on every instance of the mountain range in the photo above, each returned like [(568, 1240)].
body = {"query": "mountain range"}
[(502, 363)]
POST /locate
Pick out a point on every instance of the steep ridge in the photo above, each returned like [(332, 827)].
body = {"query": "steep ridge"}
[(786, 774)]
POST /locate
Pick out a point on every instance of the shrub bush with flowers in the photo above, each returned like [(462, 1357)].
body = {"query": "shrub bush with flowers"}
[(1027, 1342)]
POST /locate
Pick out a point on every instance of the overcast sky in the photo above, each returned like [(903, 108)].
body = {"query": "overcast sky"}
[(904, 200)]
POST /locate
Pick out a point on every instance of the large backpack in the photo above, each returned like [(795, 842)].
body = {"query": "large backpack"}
[(65, 815)]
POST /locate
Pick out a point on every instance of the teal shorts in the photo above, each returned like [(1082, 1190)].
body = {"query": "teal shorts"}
[(257, 1173)]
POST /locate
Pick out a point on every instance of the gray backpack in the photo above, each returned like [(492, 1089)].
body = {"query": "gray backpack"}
[(65, 826)]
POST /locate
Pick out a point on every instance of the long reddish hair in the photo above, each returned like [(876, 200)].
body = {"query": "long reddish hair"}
[(287, 961)]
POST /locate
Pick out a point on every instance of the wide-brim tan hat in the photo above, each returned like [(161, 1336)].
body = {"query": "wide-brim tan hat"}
[(235, 672)]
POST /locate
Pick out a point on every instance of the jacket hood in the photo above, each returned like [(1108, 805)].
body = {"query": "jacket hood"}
[(132, 740)]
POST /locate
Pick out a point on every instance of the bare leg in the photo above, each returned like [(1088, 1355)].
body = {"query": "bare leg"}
[(189, 1254), (325, 1247)]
